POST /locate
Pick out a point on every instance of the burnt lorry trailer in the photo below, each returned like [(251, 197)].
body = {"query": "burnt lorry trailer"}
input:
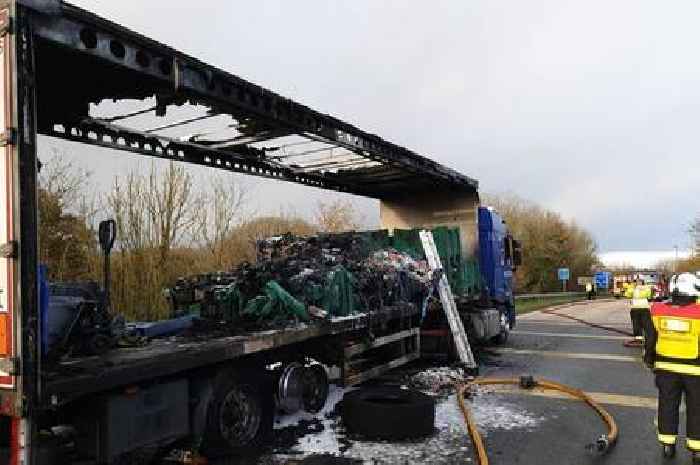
[(59, 64)]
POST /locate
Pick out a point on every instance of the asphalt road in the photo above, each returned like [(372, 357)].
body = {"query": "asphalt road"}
[(590, 359)]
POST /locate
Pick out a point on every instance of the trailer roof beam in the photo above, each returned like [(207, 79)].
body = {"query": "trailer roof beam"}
[(108, 61)]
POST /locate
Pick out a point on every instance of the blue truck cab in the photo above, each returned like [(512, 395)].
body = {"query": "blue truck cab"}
[(499, 255)]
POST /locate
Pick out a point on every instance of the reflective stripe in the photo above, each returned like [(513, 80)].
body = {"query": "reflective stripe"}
[(693, 444), (667, 438), (678, 337), (678, 368), (673, 324)]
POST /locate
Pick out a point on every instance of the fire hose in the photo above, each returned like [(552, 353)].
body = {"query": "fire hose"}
[(601, 445), (628, 343), (587, 323)]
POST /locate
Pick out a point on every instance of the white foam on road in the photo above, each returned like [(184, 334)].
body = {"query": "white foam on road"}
[(449, 444), (493, 413)]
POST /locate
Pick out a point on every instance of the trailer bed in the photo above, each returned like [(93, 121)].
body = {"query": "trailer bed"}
[(76, 377)]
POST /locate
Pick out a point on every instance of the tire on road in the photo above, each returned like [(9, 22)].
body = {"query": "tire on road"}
[(240, 415), (388, 413)]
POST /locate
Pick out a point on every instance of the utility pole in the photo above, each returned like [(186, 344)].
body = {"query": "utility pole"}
[(675, 261)]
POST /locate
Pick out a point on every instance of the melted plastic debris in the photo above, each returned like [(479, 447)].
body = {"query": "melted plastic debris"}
[(436, 381)]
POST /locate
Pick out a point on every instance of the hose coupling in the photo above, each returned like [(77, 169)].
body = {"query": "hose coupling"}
[(601, 445), (527, 382)]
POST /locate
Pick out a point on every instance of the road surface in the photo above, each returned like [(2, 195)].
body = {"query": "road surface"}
[(593, 360)]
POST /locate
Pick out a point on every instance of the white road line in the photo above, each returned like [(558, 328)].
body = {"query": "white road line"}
[(600, 397), (573, 335), (571, 355), (569, 323)]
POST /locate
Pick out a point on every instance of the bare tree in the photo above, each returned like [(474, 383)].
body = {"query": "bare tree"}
[(172, 206), (155, 212), (159, 210), (336, 216), (695, 236), (66, 240), (221, 210), (65, 181)]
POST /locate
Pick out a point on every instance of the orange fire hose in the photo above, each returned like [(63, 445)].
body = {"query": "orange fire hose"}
[(478, 443), (602, 445)]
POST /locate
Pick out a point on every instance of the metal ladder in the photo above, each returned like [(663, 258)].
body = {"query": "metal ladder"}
[(448, 302)]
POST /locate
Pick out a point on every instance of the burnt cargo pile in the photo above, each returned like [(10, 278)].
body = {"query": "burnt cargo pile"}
[(303, 278)]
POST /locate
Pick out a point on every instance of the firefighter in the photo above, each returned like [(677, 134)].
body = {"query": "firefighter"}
[(639, 310), (589, 290), (672, 350), (628, 287)]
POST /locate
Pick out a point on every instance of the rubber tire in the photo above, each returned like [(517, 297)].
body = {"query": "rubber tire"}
[(258, 391), (502, 337), (388, 413)]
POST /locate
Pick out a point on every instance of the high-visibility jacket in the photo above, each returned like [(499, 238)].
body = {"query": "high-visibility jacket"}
[(589, 287), (629, 288), (641, 296), (674, 342)]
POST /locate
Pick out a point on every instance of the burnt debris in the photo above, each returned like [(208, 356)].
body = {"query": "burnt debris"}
[(299, 278)]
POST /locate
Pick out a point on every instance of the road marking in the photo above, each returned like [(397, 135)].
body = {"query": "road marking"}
[(566, 322), (563, 321), (573, 335), (576, 355), (605, 398)]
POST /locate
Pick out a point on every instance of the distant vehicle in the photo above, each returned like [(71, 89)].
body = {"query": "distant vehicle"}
[(619, 282), (661, 289), (656, 279), (649, 277), (658, 282)]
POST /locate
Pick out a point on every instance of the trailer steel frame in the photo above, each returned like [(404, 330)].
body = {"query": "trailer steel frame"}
[(63, 59)]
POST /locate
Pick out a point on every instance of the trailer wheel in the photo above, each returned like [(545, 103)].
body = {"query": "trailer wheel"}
[(502, 336), (388, 413), (315, 388), (240, 415)]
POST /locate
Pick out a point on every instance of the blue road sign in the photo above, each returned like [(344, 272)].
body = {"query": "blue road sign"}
[(602, 279), (563, 274)]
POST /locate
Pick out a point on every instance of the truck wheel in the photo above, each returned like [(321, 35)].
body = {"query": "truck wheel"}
[(388, 413), (502, 337), (240, 415)]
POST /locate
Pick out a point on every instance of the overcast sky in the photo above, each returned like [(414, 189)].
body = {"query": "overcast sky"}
[(590, 108)]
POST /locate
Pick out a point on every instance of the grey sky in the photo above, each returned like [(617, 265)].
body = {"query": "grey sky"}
[(589, 108)]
